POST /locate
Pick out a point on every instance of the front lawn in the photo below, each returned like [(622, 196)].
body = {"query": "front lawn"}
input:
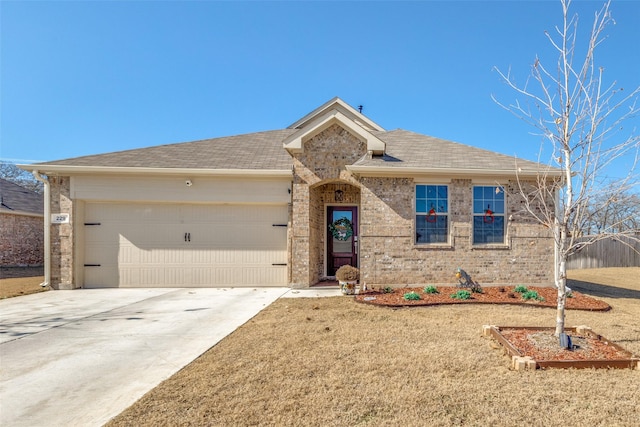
[(331, 361)]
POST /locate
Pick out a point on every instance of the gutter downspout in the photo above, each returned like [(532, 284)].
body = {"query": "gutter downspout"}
[(47, 227)]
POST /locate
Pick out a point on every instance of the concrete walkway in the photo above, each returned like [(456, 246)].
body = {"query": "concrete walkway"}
[(79, 358)]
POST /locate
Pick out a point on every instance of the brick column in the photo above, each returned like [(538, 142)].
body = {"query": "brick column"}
[(62, 234)]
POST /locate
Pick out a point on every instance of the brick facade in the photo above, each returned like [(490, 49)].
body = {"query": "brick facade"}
[(388, 252), (21, 240), (317, 173)]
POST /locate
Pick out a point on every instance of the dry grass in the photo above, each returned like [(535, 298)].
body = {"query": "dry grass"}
[(333, 362), (17, 286)]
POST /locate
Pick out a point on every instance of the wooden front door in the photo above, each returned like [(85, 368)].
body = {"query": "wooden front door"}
[(342, 237)]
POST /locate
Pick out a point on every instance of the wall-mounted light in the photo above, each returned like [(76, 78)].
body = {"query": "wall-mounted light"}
[(189, 183)]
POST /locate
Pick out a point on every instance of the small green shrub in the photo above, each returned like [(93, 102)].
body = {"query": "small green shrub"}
[(461, 294), (532, 295), (412, 296), (521, 289), (431, 290), (387, 290)]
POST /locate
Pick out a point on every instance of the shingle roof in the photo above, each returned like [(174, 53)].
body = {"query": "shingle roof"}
[(405, 149), (264, 151), (261, 151), (14, 198)]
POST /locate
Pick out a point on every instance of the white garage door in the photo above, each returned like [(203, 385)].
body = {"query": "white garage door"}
[(164, 245)]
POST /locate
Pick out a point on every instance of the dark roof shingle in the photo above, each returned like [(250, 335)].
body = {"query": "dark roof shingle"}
[(261, 150), (265, 151), (14, 198)]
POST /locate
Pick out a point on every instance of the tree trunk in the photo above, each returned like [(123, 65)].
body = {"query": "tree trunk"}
[(561, 284), (560, 278)]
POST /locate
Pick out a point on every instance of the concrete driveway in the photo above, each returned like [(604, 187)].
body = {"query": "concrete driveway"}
[(79, 358)]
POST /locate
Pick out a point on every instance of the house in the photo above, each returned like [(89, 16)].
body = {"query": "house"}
[(21, 226), (288, 207)]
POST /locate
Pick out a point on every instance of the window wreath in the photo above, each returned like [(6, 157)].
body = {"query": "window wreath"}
[(432, 216), (488, 216), (341, 229)]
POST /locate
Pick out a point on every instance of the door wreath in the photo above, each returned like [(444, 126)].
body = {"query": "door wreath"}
[(341, 229)]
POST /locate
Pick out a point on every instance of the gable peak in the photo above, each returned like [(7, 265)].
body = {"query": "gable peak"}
[(339, 105)]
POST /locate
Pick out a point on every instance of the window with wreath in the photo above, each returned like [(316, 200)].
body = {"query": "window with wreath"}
[(432, 214), (488, 214)]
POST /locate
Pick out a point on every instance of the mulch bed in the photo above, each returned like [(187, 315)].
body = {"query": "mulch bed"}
[(489, 295), (543, 345)]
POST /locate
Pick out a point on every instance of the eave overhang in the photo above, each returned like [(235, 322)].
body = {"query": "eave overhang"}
[(21, 213), (84, 170), (381, 171)]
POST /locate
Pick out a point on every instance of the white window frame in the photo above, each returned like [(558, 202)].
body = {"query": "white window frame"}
[(475, 215), (447, 242)]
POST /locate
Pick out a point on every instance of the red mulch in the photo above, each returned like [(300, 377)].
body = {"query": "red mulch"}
[(543, 345), (489, 295)]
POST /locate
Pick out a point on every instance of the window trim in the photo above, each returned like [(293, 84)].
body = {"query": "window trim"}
[(447, 243), (505, 238)]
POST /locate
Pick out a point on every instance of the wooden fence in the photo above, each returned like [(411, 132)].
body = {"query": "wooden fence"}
[(607, 253)]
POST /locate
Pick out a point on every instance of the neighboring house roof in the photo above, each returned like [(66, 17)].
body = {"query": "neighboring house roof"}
[(397, 152), (19, 200)]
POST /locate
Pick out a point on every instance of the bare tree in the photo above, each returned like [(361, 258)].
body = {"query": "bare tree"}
[(613, 214), (13, 173), (579, 117)]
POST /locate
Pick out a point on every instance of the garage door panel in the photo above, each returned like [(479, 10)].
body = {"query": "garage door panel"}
[(184, 245)]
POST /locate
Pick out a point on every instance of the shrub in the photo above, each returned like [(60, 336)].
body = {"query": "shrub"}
[(387, 290), (532, 295), (521, 289), (461, 294), (347, 273), (414, 296), (431, 290)]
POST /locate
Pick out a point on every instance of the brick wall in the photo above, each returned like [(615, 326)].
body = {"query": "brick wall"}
[(390, 256), (21, 240), (388, 253), (317, 172)]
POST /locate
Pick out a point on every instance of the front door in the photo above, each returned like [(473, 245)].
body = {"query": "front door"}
[(342, 237)]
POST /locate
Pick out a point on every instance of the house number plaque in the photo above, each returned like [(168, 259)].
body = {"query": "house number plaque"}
[(60, 218)]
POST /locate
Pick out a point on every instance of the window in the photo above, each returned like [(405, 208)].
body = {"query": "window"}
[(488, 214), (432, 214)]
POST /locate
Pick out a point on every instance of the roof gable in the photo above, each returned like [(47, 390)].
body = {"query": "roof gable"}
[(334, 112), (346, 109)]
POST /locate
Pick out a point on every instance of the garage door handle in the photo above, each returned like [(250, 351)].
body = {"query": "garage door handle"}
[(92, 265), (283, 263)]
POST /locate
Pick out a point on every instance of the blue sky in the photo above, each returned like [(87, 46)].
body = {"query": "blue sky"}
[(86, 77)]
